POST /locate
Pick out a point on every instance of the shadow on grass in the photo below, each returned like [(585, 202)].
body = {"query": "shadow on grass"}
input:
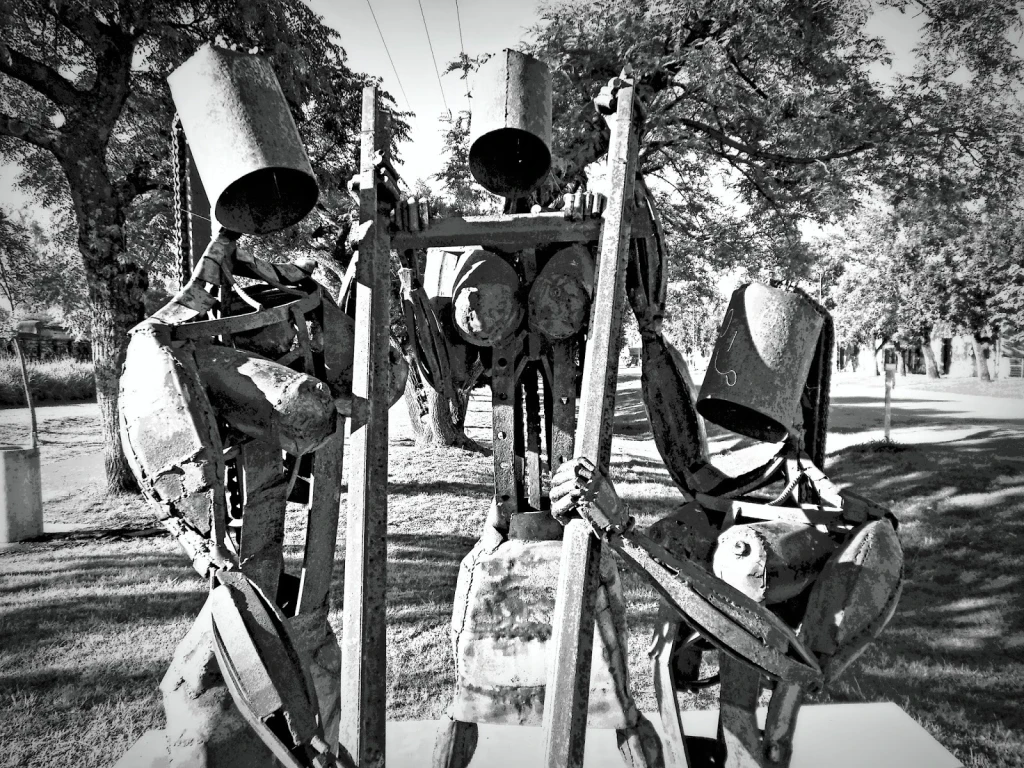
[(851, 414), (88, 591), (427, 487), (953, 653)]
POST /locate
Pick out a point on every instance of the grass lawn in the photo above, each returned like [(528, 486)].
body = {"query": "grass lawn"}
[(88, 621)]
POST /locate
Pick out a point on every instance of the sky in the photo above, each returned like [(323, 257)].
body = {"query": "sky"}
[(488, 26)]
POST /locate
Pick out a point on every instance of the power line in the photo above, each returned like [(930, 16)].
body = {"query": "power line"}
[(462, 47), (433, 57), (394, 69)]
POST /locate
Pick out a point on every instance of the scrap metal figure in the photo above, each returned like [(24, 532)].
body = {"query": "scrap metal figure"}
[(790, 588), (233, 402), (789, 576), (508, 301)]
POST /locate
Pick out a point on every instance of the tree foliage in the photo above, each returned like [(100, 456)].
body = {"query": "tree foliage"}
[(774, 104), (461, 195), (85, 107), (42, 272)]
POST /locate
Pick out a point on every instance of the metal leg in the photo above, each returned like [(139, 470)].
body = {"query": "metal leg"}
[(456, 744)]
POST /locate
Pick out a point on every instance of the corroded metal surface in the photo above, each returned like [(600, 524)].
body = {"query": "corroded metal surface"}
[(486, 301), (266, 400), (559, 303), (243, 140), (170, 432), (364, 656), (854, 597), (760, 364), (510, 139), (771, 561), (506, 231), (568, 692), (501, 633)]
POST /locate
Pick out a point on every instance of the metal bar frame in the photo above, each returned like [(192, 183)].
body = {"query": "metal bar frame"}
[(364, 654), (568, 688)]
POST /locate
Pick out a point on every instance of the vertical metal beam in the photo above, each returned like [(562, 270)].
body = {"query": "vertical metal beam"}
[(531, 408), (563, 403), (363, 670), (503, 419), (568, 687)]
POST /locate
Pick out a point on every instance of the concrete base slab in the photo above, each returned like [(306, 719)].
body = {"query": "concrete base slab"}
[(880, 735)]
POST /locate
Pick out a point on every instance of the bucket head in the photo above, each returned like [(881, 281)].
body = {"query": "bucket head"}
[(243, 140), (758, 370), (510, 137)]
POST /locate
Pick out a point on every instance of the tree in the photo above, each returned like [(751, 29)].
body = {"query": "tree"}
[(85, 107), (774, 102), (461, 195), (437, 419), (41, 272), (15, 250), (983, 266)]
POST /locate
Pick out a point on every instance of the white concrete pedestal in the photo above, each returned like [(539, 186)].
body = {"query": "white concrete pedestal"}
[(879, 735), (21, 494)]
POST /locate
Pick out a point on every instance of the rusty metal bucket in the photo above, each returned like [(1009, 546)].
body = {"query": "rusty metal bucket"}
[(510, 137), (760, 364), (243, 140)]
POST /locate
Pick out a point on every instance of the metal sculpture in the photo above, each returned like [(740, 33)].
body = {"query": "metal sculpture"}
[(233, 400), (791, 586), (514, 310), (235, 393)]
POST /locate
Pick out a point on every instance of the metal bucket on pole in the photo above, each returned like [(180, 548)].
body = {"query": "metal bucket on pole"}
[(760, 364), (510, 137), (243, 140)]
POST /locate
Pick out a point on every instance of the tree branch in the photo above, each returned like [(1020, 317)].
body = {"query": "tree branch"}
[(33, 134), (137, 183), (81, 23), (38, 76), (744, 77), (778, 157)]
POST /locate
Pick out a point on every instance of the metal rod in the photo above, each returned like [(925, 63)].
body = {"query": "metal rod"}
[(364, 655), (568, 688)]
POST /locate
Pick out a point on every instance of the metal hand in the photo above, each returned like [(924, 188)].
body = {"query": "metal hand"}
[(578, 488)]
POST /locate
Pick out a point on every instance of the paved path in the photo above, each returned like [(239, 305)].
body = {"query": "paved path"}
[(71, 462), (858, 405)]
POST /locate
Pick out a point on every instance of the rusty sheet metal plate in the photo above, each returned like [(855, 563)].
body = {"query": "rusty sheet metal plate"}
[(854, 597), (169, 431)]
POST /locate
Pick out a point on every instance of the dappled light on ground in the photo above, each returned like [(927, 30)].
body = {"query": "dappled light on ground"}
[(952, 654), (88, 625)]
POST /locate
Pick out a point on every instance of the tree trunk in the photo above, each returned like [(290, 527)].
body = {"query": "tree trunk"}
[(931, 367), (433, 421), (116, 289), (902, 361), (980, 364), (997, 354)]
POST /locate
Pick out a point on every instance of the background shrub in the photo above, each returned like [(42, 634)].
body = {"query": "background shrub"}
[(51, 381)]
